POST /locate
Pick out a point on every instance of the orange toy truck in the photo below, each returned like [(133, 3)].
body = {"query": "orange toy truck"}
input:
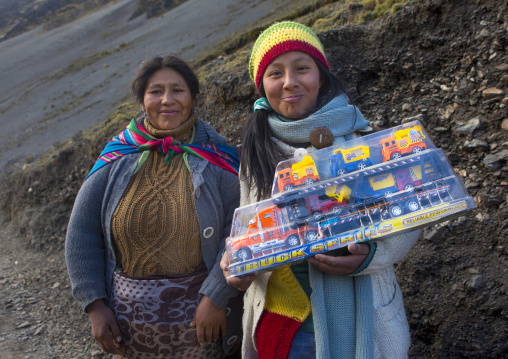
[(270, 229), (303, 172), (405, 142)]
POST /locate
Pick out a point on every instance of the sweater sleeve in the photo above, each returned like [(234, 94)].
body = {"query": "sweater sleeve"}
[(84, 244), (388, 251), (215, 286)]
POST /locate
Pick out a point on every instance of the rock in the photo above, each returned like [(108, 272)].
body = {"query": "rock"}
[(491, 161), (39, 330), (407, 107), (502, 155), (471, 184), (450, 110), (475, 281), (491, 202), (419, 117), (23, 325), (463, 221), (476, 144), (504, 80), (492, 92), (433, 234), (470, 126), (484, 33)]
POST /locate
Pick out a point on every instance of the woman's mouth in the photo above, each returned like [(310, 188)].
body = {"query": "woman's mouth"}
[(169, 112), (292, 98)]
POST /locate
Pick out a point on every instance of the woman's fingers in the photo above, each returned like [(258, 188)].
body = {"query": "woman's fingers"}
[(104, 327), (343, 264), (240, 283)]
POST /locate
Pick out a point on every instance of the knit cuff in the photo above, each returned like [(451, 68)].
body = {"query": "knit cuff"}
[(216, 288), (366, 262)]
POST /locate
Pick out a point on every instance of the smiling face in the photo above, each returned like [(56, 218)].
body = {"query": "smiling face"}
[(167, 101), (291, 83)]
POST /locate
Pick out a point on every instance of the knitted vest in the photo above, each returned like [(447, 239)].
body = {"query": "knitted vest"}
[(155, 226), (286, 307)]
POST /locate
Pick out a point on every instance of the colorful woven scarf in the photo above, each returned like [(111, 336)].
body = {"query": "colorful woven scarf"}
[(136, 139)]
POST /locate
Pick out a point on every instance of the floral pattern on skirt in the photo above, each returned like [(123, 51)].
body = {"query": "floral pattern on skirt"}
[(154, 316)]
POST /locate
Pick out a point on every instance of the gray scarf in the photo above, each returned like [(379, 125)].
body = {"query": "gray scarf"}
[(337, 115)]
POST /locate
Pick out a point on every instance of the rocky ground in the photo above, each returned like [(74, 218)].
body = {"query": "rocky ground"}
[(444, 62)]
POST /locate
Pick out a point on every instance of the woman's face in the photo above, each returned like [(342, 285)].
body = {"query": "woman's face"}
[(168, 100), (291, 82)]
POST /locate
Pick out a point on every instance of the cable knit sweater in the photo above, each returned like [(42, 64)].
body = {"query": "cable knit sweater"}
[(391, 330)]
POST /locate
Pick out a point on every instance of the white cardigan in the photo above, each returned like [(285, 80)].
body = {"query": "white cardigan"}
[(391, 330)]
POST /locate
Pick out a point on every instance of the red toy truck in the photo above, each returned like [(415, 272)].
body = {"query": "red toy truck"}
[(270, 229), (405, 142)]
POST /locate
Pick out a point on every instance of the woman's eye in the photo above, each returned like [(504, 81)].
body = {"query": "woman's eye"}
[(275, 73), (302, 68)]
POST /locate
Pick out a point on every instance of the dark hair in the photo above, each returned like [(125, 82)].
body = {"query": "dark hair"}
[(150, 66), (260, 155)]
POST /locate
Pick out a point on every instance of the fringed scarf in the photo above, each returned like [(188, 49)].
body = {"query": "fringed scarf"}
[(343, 304), (137, 139)]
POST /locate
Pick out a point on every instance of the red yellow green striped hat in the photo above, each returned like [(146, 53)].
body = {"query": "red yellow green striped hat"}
[(280, 38)]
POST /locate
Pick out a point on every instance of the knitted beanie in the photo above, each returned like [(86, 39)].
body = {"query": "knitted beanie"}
[(280, 38)]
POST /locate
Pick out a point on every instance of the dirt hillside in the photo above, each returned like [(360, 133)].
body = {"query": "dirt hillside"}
[(444, 62)]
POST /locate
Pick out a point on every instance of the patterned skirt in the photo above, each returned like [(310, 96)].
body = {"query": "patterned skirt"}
[(154, 316)]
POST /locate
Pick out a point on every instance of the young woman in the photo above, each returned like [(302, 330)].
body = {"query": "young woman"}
[(326, 307), (149, 224)]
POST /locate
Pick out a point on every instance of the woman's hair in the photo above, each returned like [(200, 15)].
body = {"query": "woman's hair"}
[(260, 155), (150, 66)]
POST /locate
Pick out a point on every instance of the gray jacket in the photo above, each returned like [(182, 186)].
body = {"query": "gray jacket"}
[(89, 248)]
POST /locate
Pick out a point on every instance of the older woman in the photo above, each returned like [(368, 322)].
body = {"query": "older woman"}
[(148, 226)]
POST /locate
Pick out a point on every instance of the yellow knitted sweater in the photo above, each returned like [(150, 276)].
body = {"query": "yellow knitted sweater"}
[(155, 226)]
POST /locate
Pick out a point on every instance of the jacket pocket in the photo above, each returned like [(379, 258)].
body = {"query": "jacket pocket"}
[(391, 329)]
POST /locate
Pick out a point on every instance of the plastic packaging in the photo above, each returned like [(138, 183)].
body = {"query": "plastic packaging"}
[(388, 182)]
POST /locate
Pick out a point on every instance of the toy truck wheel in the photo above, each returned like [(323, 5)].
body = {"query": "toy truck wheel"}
[(292, 240), (288, 187), (337, 209), (416, 149), (409, 187), (309, 181), (396, 210), (412, 206), (311, 236), (243, 254), (317, 215), (396, 156), (341, 172), (388, 193), (362, 166)]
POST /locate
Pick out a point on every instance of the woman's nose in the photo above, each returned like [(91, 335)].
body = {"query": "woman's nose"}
[(290, 81), (167, 97)]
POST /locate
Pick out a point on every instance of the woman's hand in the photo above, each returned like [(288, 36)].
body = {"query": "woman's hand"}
[(210, 321), (240, 283), (344, 264), (104, 326)]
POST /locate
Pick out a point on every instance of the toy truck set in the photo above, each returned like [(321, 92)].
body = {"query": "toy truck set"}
[(387, 182)]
